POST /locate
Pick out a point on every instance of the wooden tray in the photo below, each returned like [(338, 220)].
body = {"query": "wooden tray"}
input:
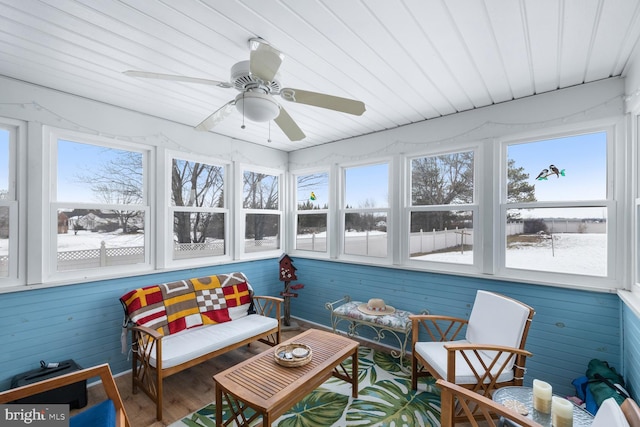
[(292, 349)]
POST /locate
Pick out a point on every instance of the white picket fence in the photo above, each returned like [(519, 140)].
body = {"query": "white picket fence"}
[(197, 250), (102, 257), (436, 240)]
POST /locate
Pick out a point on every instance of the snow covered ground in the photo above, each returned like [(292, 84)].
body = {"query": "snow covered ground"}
[(88, 240), (573, 253)]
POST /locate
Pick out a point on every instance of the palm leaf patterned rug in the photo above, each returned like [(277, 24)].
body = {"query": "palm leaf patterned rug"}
[(384, 398)]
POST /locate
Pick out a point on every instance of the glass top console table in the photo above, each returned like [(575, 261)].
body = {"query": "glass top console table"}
[(524, 395)]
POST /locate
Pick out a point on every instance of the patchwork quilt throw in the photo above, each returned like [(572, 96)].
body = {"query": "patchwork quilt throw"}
[(172, 307)]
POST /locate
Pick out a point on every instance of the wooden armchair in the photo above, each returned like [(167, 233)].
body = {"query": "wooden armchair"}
[(474, 407), (631, 412), (612, 414), (489, 356), (109, 410)]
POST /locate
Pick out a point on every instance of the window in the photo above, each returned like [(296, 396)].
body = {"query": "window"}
[(312, 207), (99, 205), (8, 206), (366, 210), (262, 211), (442, 209), (557, 209), (637, 244), (5, 200), (198, 209)]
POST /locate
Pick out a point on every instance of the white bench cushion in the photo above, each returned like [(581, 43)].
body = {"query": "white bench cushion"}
[(435, 355), (191, 343)]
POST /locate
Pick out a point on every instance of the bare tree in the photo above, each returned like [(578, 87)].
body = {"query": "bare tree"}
[(119, 181), (195, 184), (440, 180), (260, 191)]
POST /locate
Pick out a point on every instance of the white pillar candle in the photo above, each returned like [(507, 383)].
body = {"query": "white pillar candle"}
[(541, 396), (561, 412)]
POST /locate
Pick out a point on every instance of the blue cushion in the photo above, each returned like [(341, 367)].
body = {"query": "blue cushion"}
[(100, 415)]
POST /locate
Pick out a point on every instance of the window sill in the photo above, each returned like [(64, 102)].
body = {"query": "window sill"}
[(631, 299)]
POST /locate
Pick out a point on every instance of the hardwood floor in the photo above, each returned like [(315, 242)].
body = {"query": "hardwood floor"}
[(184, 392), (189, 390)]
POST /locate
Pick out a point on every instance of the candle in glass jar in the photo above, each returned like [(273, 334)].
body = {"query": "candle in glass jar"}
[(541, 396), (561, 412)]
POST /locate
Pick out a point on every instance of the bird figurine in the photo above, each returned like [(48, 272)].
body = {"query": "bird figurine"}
[(543, 174)]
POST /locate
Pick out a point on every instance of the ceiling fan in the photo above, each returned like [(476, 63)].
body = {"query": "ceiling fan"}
[(257, 81)]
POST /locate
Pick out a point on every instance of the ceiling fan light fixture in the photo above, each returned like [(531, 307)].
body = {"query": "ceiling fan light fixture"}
[(257, 107)]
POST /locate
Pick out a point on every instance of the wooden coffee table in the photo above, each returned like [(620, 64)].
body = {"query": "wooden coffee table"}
[(271, 390)]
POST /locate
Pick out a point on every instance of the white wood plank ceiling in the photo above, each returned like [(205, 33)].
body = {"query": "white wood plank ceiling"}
[(407, 60)]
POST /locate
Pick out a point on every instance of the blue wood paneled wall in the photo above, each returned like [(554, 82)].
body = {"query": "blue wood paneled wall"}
[(83, 322), (631, 346), (570, 327)]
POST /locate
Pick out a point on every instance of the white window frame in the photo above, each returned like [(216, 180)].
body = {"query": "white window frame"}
[(51, 206), (634, 163), (636, 248), (409, 208), (296, 212), (241, 213), (615, 240), (15, 202), (393, 199), (168, 223)]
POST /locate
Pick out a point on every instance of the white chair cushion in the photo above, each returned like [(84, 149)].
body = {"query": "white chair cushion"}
[(610, 415), (191, 343), (497, 320), (435, 355)]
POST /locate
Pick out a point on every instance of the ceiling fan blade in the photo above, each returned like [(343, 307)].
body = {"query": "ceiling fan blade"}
[(330, 102), (265, 61), (288, 126), (216, 117), (149, 75)]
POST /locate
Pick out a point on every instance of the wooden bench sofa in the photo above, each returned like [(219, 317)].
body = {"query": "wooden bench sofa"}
[(177, 325)]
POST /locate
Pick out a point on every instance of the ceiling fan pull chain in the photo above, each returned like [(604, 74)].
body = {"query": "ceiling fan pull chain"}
[(269, 140), (242, 127)]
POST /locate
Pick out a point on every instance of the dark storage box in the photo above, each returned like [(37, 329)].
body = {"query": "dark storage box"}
[(73, 394)]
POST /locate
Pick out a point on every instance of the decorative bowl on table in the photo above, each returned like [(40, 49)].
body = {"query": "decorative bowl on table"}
[(292, 355)]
